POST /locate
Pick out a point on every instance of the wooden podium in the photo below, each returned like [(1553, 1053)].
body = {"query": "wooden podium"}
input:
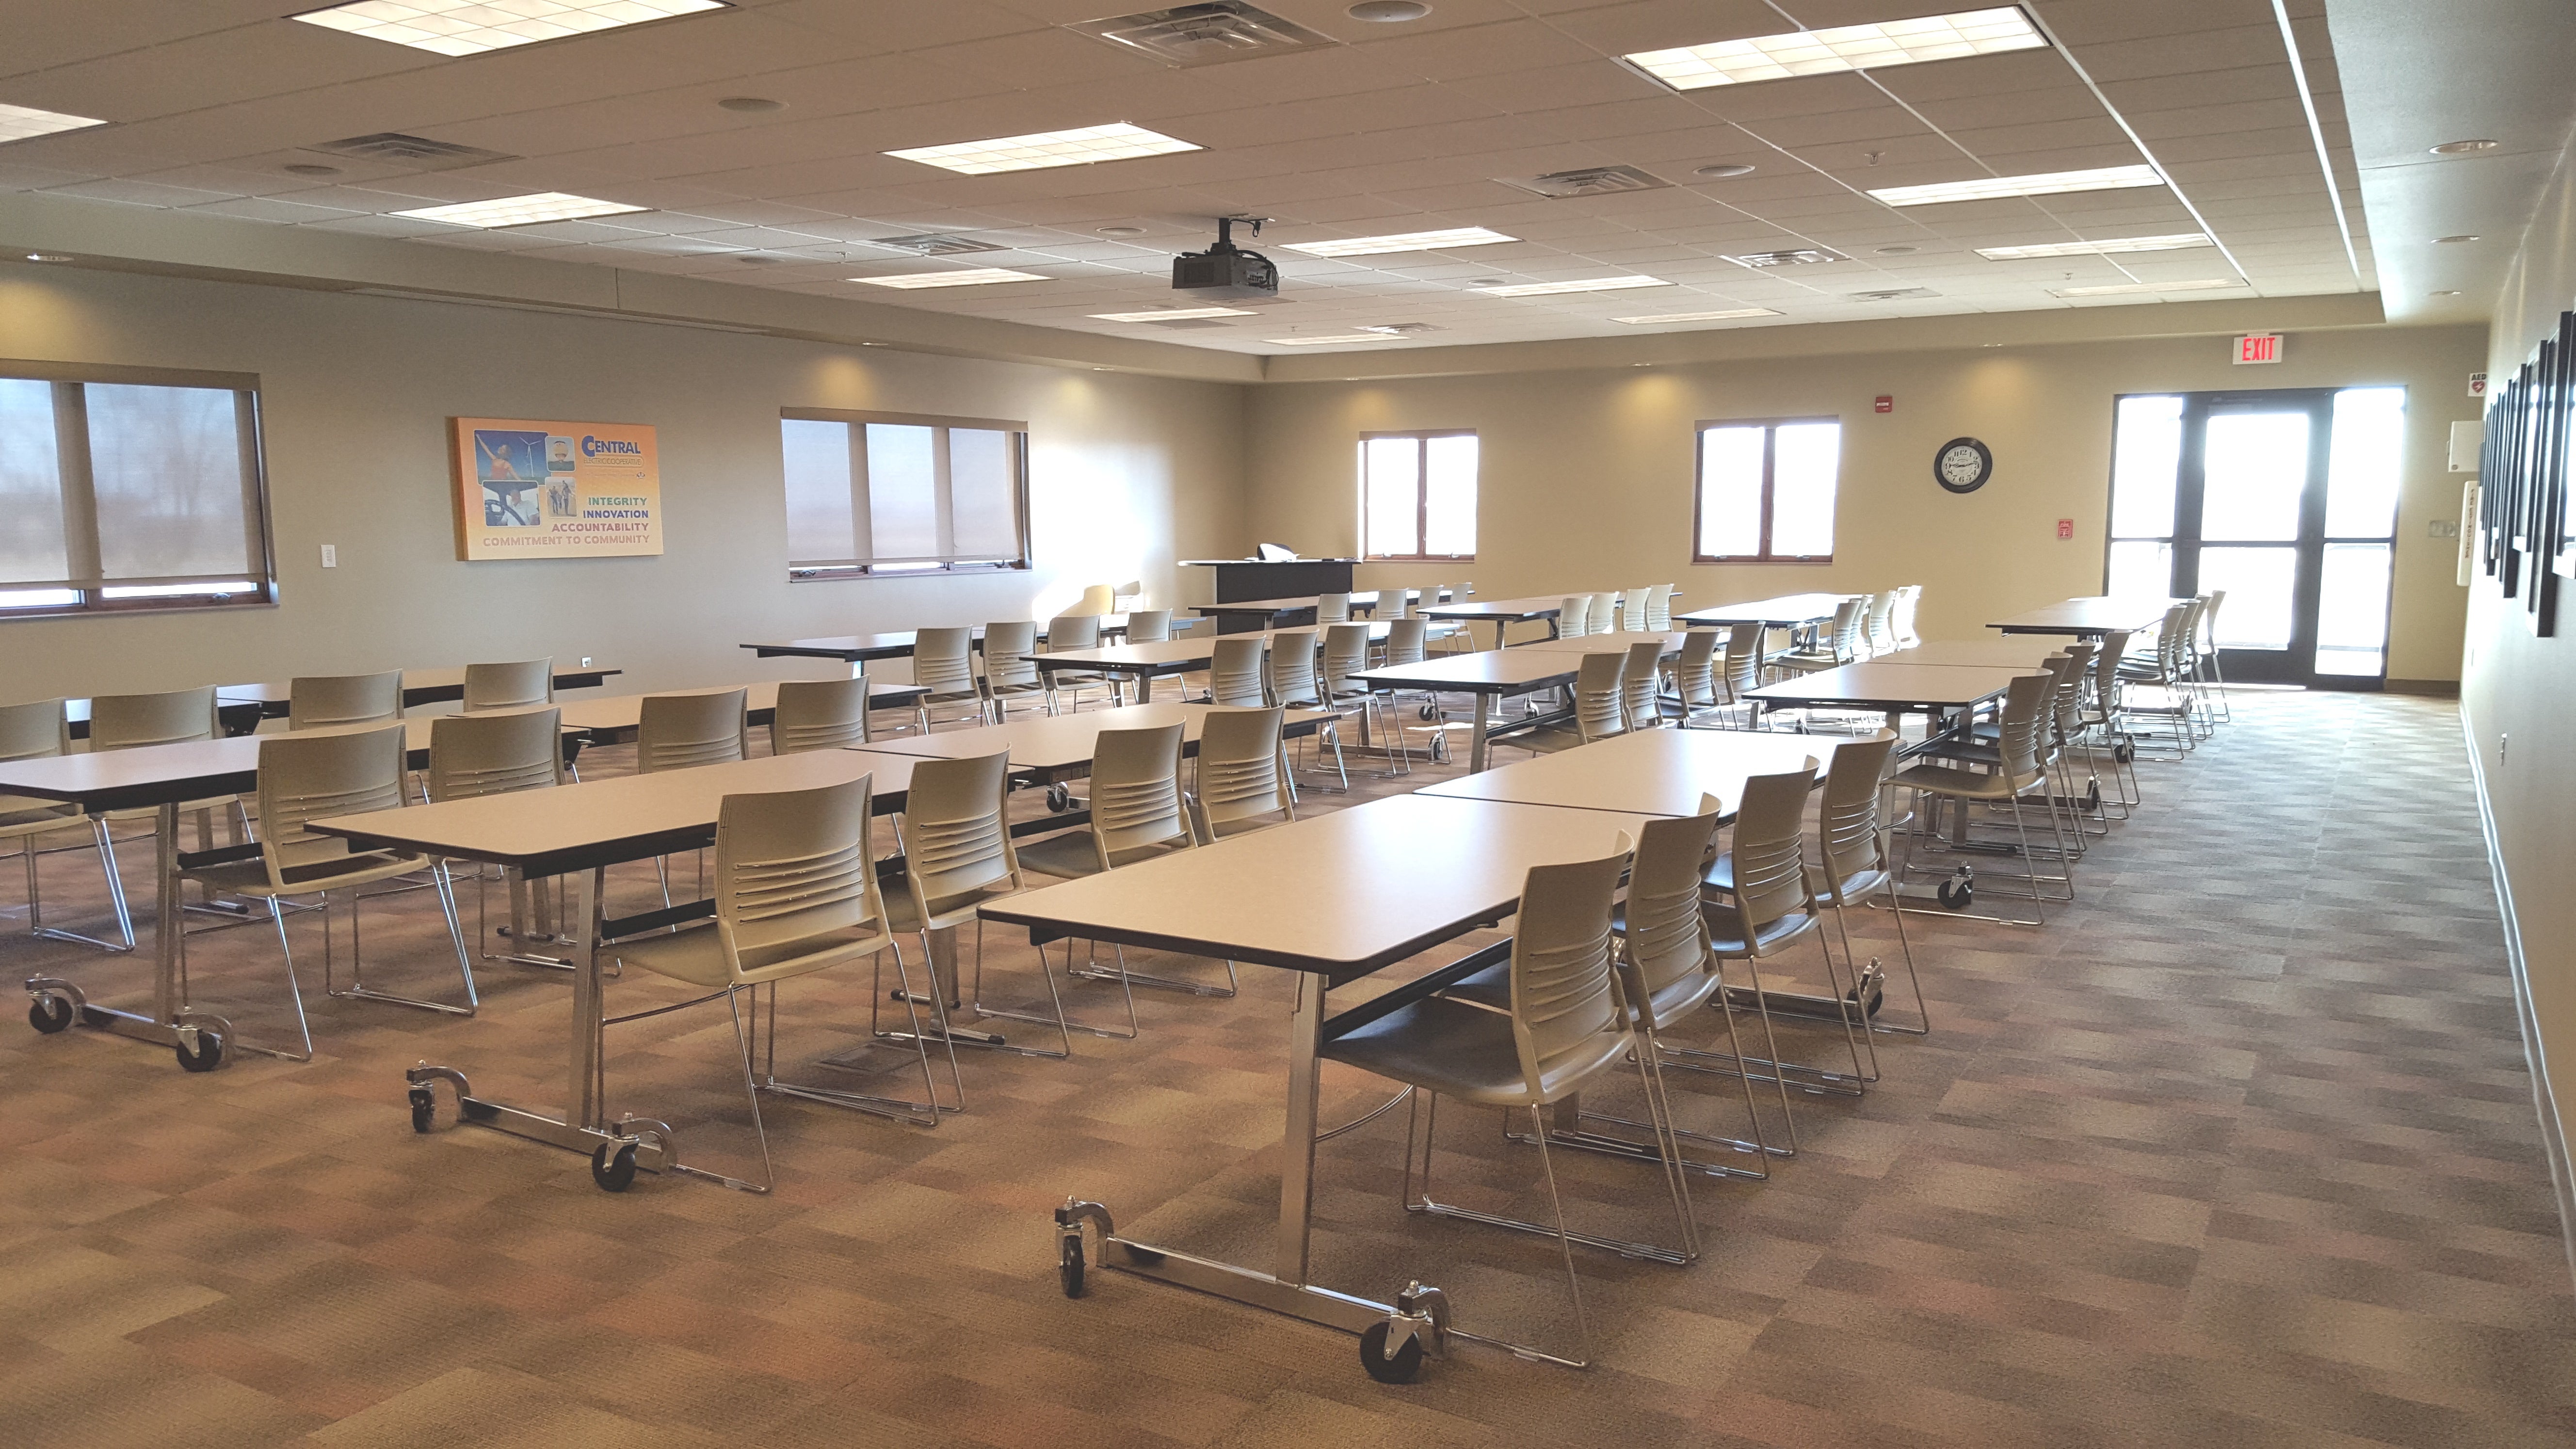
[(1240, 579)]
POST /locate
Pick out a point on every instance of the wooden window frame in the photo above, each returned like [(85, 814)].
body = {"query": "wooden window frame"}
[(1421, 494), (1770, 451), (874, 568)]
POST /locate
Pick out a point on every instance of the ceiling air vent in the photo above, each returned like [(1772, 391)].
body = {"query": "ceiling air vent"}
[(1208, 34), (1894, 294), (936, 244), (1792, 257), (418, 153), (1590, 181)]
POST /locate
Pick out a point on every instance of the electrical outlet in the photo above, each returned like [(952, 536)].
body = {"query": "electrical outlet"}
[(330, 555)]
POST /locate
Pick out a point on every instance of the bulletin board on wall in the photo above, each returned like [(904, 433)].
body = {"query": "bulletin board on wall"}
[(536, 489)]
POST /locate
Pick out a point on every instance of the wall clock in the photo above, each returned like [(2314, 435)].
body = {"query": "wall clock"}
[(1963, 465)]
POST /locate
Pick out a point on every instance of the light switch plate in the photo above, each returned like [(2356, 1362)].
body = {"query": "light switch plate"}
[(330, 555)]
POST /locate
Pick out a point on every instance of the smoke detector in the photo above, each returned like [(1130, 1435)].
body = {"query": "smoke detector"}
[(1206, 34), (1589, 181)]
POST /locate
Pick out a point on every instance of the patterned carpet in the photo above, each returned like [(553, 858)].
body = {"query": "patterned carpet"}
[(2237, 1150)]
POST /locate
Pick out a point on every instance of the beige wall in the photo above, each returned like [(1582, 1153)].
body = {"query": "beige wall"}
[(1127, 473), (1587, 474)]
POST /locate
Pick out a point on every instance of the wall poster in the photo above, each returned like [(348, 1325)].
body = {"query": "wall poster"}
[(528, 489)]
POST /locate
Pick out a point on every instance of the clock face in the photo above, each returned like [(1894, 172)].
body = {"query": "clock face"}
[(1962, 465)]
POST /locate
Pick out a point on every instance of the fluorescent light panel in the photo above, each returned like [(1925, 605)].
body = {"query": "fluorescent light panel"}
[(1844, 47), (2126, 289), (1173, 314), (2046, 183), (2180, 241), (20, 123), (1411, 241), (977, 277), (1079, 147), (1336, 337), (1588, 284), (520, 210), (1729, 315), (465, 27)]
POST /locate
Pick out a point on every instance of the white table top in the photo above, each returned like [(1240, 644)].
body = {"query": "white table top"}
[(1047, 746), (1784, 610), (1646, 772), (1874, 684), (2096, 614), (2026, 651), (1604, 643), (1486, 671), (161, 774)]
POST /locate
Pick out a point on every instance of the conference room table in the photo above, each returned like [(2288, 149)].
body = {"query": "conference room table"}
[(1150, 661), (1053, 749), (1488, 675), (1501, 613), (420, 686), (2090, 617), (1237, 616), (1340, 897), (1942, 691), (161, 778), (860, 650), (1787, 611), (2016, 651), (1613, 643), (1646, 772), (616, 718)]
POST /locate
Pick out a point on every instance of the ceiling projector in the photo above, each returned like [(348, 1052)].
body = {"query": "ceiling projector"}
[(1226, 270)]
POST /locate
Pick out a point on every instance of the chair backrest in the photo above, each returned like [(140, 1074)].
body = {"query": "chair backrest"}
[(304, 777), (1461, 592), (1072, 631), (680, 731), (509, 685), (495, 753), (1848, 616), (1565, 999), (1398, 603), (2216, 598), (1642, 682), (943, 660), (1290, 671), (1406, 639), (1574, 616), (1605, 614), (1875, 632), (819, 714), (1900, 617), (1346, 648), (128, 721), (1332, 608), (1007, 647), (1847, 819), (1235, 671), (2106, 671), (2069, 697), (955, 833), (1144, 626), (2017, 732), (1096, 600), (1770, 860), (343, 699), (35, 730), (1237, 772), (796, 874), (1743, 660), (1667, 935), (1659, 607), (1600, 709), (1695, 669), (2171, 640), (1136, 792), (1632, 610)]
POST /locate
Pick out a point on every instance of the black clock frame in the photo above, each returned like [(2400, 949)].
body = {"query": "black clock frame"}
[(1985, 465)]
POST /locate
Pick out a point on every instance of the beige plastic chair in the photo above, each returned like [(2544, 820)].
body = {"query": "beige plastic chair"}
[(1144, 626), (2101, 721), (1566, 1025), (1238, 672), (1743, 669), (819, 714), (1693, 676), (1346, 653), (1605, 614), (1332, 608), (2016, 773), (1840, 646), (1289, 679), (1641, 687), (42, 730), (1659, 608), (943, 662), (2204, 644), (1008, 674), (1138, 813), (1241, 772), (683, 731), (1851, 839), (1408, 641), (1878, 635), (501, 753), (1900, 616), (178, 716), (1395, 604), (1096, 600), (1064, 634), (796, 893), (510, 685), (1600, 708), (1574, 616), (316, 701), (315, 776), (1632, 610)]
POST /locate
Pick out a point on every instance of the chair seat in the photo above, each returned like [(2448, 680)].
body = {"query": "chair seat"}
[(21, 816), (1068, 856), (1862, 883), (1962, 784), (696, 955), (1458, 1051), (250, 877), (1766, 941)]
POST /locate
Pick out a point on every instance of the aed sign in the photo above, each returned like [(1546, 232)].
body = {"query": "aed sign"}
[(1885, 403), (2258, 347)]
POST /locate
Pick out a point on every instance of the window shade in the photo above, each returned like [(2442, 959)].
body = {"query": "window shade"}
[(903, 496)]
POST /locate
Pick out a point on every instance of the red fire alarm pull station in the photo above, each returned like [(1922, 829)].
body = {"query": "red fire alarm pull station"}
[(1886, 404), (2066, 528)]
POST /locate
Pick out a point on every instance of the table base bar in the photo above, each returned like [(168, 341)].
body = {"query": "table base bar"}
[(653, 1153)]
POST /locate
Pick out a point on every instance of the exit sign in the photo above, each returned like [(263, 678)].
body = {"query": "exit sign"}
[(2258, 347)]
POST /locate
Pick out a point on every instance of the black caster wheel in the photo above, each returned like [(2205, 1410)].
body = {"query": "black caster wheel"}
[(1069, 1267), (424, 1108), (1957, 895), (1867, 996), (2124, 752), (49, 1013), (208, 1055), (1400, 1367), (1059, 797), (1430, 712), (613, 1173)]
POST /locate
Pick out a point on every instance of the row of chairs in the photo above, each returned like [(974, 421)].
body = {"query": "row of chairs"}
[(1635, 611)]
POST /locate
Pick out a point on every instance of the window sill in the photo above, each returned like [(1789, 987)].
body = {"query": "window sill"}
[(1758, 559), (120, 610), (838, 575), (1417, 558)]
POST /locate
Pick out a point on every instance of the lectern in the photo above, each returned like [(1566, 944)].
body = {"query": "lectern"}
[(1240, 579)]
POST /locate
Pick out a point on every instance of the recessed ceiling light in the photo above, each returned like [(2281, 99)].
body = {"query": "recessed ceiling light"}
[(1082, 146), (20, 123), (1787, 257), (1122, 231), (1724, 171), (1411, 241), (1336, 337), (2464, 148), (2448, 293), (872, 344), (470, 27), (2450, 241), (2178, 241), (1588, 284), (976, 277), (1173, 314), (526, 210), (1844, 47), (752, 105), (47, 257), (2046, 183), (1729, 315), (1899, 250), (1386, 12), (309, 168), (2123, 289)]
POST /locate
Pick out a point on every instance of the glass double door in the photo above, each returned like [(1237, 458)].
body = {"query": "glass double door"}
[(2285, 501)]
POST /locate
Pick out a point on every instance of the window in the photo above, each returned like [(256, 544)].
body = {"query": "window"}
[(1766, 491), (125, 489), (883, 493), (1418, 495)]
